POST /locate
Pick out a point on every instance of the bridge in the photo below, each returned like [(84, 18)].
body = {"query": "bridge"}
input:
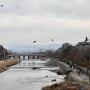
[(26, 56)]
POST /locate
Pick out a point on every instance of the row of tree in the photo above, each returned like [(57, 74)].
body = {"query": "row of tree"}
[(3, 52), (77, 54)]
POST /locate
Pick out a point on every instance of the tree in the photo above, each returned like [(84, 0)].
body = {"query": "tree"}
[(49, 53), (3, 52)]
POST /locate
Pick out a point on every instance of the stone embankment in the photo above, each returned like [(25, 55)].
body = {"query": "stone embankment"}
[(7, 63), (72, 76)]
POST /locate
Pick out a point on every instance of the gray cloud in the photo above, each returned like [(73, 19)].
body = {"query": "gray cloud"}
[(61, 8), (22, 21)]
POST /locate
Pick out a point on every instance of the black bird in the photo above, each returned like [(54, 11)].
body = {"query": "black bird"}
[(34, 41), (1, 5), (52, 39), (86, 39)]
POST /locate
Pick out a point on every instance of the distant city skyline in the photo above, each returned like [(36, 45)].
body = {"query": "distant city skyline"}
[(25, 21)]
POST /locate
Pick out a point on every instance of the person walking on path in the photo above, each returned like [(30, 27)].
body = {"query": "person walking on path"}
[(89, 78)]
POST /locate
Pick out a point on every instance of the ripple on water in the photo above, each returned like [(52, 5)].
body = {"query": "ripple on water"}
[(26, 78)]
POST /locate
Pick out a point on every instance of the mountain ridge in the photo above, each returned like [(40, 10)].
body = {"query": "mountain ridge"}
[(33, 48)]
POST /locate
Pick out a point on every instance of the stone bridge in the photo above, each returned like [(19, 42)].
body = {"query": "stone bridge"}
[(26, 56)]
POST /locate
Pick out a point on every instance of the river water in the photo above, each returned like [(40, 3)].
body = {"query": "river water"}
[(23, 77)]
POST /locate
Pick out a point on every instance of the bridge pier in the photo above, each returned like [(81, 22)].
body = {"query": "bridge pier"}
[(23, 57), (37, 57), (19, 57), (32, 57), (28, 57)]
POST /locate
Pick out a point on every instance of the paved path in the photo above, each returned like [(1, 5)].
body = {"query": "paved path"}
[(82, 76)]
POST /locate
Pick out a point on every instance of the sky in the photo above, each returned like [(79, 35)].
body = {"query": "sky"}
[(25, 21)]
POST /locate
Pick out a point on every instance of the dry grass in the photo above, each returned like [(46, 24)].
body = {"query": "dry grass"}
[(7, 63), (63, 86)]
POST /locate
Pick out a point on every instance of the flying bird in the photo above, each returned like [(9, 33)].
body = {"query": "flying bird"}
[(2, 5), (52, 39), (34, 41)]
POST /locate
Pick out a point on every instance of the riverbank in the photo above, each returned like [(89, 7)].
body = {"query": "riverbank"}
[(72, 76), (7, 63), (63, 86)]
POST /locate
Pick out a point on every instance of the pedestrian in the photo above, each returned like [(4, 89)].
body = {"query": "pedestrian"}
[(89, 78), (78, 72), (70, 66), (74, 66)]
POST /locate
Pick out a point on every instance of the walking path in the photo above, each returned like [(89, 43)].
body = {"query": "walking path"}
[(74, 75), (81, 76), (85, 77), (82, 79)]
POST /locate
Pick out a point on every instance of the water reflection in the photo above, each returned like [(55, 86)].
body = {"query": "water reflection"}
[(27, 78)]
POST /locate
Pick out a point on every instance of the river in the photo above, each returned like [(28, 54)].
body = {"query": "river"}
[(23, 77)]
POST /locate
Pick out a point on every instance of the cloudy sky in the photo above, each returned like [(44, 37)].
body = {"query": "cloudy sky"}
[(23, 21)]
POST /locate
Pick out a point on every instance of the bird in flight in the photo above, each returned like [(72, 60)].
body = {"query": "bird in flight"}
[(34, 41), (52, 39), (2, 5)]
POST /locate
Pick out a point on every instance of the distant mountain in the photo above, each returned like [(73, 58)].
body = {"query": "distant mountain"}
[(33, 48)]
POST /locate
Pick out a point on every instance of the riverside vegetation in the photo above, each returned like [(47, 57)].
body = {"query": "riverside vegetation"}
[(63, 86), (7, 63), (78, 54), (4, 62)]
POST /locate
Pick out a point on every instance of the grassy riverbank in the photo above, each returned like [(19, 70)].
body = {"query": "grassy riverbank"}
[(63, 86), (7, 63)]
